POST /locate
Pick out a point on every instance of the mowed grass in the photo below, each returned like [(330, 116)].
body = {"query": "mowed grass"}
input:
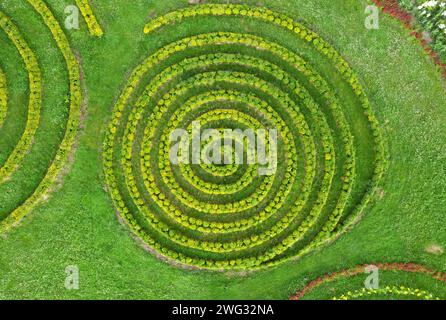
[(78, 226)]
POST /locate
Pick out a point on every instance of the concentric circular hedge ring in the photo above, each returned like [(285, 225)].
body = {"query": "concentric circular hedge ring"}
[(212, 119), (230, 216), (23, 200)]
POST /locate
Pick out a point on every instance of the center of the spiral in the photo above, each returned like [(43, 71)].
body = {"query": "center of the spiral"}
[(225, 147)]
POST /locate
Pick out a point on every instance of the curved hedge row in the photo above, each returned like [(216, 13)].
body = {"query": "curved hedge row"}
[(396, 292), (330, 151), (395, 281), (92, 23), (35, 97), (3, 97), (431, 14), (35, 93)]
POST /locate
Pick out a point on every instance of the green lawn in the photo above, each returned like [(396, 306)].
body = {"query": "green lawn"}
[(388, 279), (78, 224)]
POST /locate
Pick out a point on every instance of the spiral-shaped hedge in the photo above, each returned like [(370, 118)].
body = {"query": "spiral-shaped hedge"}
[(34, 151), (261, 70)]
